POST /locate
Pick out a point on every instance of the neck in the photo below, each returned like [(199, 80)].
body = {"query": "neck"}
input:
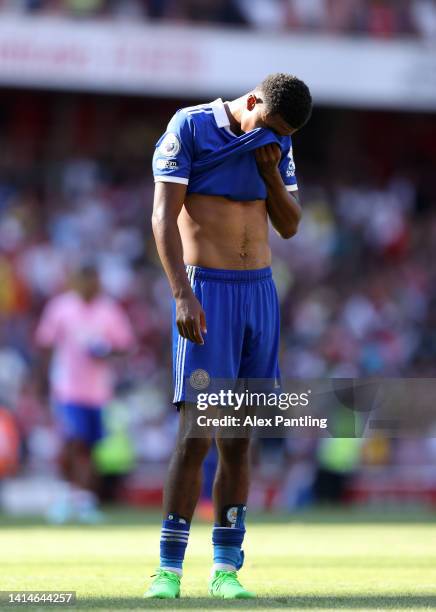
[(234, 113), (86, 297)]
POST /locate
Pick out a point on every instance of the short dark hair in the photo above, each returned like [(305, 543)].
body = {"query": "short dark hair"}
[(288, 97)]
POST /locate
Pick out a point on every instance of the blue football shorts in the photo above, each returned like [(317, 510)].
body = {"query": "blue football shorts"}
[(243, 327), (79, 422)]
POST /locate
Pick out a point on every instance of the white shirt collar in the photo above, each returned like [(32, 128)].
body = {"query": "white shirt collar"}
[(219, 112)]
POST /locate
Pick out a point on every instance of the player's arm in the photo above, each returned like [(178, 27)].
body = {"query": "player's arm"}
[(282, 205), (41, 371), (46, 335), (168, 202)]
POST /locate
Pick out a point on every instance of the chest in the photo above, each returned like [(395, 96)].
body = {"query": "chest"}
[(84, 324)]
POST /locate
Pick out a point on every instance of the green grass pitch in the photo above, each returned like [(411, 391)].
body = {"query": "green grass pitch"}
[(313, 561)]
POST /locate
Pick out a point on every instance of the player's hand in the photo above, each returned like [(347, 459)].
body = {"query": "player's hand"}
[(268, 158), (190, 319), (99, 350)]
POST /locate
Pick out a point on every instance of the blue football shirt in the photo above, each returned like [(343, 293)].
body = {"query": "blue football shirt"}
[(199, 150)]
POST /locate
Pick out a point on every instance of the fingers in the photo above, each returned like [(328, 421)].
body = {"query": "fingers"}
[(183, 329), (203, 326), (198, 338), (191, 330), (273, 151), (276, 152), (268, 153), (189, 327), (261, 155)]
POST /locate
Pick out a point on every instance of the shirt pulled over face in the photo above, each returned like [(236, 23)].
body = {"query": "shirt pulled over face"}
[(198, 149)]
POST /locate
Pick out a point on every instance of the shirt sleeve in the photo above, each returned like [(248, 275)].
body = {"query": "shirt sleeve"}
[(48, 329), (174, 150), (287, 169)]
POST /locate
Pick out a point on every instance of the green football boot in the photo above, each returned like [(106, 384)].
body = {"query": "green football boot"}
[(166, 585), (225, 585)]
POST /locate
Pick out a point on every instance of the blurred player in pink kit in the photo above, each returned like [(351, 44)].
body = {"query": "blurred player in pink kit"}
[(79, 332)]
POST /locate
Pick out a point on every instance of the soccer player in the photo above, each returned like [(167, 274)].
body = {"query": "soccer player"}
[(84, 328), (221, 170)]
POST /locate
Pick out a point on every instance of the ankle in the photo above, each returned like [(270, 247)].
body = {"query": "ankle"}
[(173, 542), (223, 567), (174, 570)]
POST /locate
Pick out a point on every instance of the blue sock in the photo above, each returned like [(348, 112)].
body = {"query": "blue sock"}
[(227, 539), (173, 542)]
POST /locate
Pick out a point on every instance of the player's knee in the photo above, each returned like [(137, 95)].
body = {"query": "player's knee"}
[(233, 450), (79, 448), (193, 450)]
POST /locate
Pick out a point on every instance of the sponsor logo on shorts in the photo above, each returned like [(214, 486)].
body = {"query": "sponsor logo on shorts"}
[(199, 379)]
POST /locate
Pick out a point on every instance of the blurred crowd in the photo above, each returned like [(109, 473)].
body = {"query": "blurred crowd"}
[(357, 285), (378, 18)]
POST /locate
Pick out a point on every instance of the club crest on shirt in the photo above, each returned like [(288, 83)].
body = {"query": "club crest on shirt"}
[(170, 145)]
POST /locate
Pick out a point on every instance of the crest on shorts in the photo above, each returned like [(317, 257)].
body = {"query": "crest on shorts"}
[(199, 379), (170, 145)]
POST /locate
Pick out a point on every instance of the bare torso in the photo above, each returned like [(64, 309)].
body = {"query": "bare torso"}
[(221, 233)]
